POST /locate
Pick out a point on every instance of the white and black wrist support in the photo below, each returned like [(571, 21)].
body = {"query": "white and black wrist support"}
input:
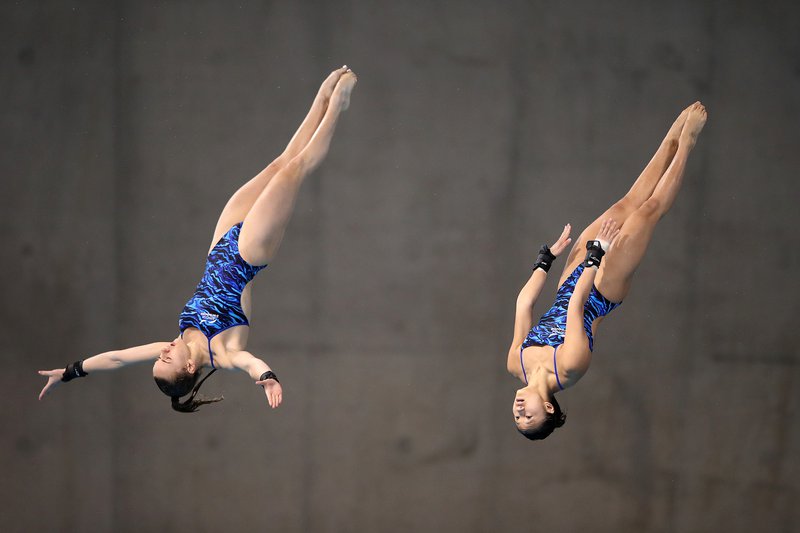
[(545, 259), (594, 253)]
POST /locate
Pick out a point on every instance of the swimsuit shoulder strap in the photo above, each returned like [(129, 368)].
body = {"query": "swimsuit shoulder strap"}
[(555, 368), (522, 364)]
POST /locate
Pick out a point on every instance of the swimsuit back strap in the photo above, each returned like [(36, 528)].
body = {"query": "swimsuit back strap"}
[(555, 368)]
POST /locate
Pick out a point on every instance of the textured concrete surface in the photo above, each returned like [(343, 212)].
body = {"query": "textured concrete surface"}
[(477, 129)]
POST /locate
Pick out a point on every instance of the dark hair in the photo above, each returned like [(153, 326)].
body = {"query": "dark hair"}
[(182, 385), (551, 422)]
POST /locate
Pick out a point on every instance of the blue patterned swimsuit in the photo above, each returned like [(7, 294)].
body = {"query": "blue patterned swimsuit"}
[(216, 304), (552, 326)]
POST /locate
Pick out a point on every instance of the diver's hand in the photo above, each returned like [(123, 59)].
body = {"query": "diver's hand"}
[(273, 390), (608, 234), (563, 241), (53, 380)]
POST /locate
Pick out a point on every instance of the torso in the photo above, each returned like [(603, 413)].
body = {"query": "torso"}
[(551, 328), (546, 338), (536, 360), (216, 316), (228, 342)]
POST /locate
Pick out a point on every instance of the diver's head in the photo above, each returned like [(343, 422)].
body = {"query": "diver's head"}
[(534, 416), (175, 363), (177, 374)]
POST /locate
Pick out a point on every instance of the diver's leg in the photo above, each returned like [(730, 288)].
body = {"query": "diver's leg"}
[(243, 199), (266, 222), (614, 279), (640, 191)]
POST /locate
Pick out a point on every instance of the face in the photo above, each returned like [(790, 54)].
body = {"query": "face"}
[(173, 360), (529, 409)]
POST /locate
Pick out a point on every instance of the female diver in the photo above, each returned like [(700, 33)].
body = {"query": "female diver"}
[(555, 353), (214, 325)]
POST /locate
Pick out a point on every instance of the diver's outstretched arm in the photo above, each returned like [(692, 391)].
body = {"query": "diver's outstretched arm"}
[(101, 362)]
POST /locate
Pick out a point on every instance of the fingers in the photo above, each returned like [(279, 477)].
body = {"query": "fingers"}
[(52, 379), (607, 228), (273, 391), (563, 241), (609, 231), (44, 391), (268, 394), (277, 397), (274, 398)]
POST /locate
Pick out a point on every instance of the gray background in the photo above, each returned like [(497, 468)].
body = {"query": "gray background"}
[(476, 131)]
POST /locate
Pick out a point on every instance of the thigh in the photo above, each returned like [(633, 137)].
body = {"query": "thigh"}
[(617, 269), (242, 201), (619, 212), (265, 223)]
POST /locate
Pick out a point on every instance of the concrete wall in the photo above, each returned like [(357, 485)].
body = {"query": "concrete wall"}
[(477, 129)]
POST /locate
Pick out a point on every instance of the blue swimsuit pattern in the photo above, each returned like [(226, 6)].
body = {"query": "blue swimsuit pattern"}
[(216, 304), (552, 326)]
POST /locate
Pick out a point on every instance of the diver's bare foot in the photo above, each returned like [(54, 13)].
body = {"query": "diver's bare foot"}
[(341, 94), (695, 121), (327, 87), (674, 132)]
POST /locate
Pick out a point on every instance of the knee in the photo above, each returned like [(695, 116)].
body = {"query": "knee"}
[(652, 208), (625, 204), (279, 162), (303, 163), (296, 167), (624, 208)]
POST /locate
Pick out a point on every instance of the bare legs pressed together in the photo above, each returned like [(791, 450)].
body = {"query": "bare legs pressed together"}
[(650, 197), (635, 217), (265, 203)]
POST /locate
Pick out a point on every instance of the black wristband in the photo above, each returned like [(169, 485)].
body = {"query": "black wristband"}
[(545, 259), (269, 374), (594, 254), (74, 370)]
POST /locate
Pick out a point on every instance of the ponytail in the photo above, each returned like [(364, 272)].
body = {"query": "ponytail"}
[(178, 388)]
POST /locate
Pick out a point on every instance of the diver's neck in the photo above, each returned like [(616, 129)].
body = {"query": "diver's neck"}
[(537, 384), (198, 353)]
